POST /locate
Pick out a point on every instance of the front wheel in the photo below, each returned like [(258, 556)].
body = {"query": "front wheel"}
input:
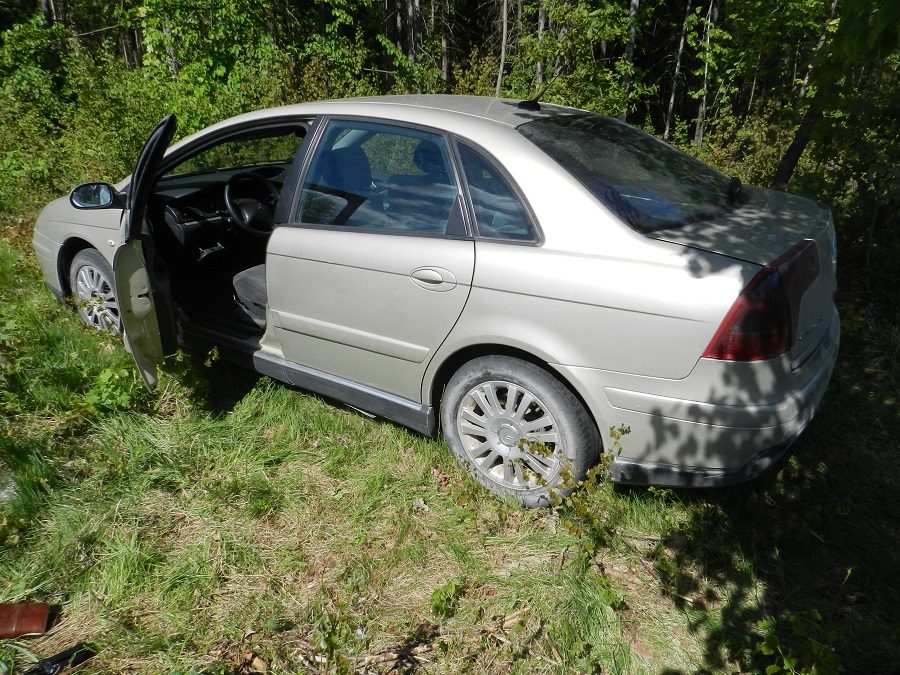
[(93, 288), (517, 429)]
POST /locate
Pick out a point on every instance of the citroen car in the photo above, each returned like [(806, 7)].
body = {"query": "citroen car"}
[(521, 277)]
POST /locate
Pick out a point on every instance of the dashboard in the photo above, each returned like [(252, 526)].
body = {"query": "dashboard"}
[(192, 206)]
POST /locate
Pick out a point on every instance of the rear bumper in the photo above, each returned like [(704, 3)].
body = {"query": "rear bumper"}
[(635, 472), (723, 424)]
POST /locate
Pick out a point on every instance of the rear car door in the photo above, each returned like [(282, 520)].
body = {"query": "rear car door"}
[(376, 265), (143, 303)]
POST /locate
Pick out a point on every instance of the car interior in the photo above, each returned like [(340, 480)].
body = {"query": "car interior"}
[(211, 216)]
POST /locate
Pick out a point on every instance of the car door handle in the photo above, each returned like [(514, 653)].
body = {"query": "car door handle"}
[(427, 275), (433, 278)]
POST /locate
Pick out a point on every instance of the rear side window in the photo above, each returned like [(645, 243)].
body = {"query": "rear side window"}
[(645, 181), (499, 214)]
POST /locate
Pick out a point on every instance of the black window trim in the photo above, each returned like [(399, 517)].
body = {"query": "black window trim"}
[(538, 239), (293, 177), (317, 130)]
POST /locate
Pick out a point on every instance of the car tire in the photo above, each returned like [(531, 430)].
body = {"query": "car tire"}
[(489, 433), (93, 289)]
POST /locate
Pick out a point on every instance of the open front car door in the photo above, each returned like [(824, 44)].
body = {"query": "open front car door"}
[(140, 297)]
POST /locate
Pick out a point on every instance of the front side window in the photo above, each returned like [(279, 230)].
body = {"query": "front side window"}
[(270, 147), (380, 177), (498, 212), (645, 181)]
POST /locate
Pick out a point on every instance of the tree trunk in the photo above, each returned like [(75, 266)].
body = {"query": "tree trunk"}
[(502, 49), (411, 30), (796, 58), (135, 41), (519, 29), (629, 51), (445, 44), (801, 140), (824, 36), (47, 11), (418, 29), (124, 45), (542, 18), (715, 103), (398, 17), (753, 84), (562, 61), (670, 111), (170, 50), (752, 91), (701, 114)]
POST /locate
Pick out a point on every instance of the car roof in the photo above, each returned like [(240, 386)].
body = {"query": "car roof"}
[(435, 108), (502, 110)]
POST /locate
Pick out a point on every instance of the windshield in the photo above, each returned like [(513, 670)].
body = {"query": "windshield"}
[(645, 181)]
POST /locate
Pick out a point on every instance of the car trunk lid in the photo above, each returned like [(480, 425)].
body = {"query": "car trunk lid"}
[(768, 229)]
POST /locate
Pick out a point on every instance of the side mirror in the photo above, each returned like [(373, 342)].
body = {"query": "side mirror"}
[(93, 196)]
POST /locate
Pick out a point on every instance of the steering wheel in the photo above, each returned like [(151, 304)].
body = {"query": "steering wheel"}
[(253, 216)]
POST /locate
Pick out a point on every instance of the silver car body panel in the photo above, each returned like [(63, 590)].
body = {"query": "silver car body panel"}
[(644, 314), (347, 302), (763, 229), (60, 222)]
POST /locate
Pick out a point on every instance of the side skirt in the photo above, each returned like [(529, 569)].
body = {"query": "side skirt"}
[(416, 416), (246, 352)]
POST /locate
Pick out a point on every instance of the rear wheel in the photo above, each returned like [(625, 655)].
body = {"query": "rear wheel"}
[(517, 429), (93, 288)]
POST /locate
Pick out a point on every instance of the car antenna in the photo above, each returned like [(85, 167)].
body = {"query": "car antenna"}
[(534, 103)]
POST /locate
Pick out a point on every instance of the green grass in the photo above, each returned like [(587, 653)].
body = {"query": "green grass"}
[(227, 518)]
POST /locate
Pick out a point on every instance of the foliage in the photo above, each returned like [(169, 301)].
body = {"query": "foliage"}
[(568, 55), (445, 599), (578, 505), (113, 389), (813, 652)]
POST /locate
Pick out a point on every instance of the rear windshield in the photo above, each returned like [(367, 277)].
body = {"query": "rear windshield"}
[(649, 184)]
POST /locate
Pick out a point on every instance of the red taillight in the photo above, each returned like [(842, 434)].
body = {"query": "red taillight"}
[(761, 322), (758, 325)]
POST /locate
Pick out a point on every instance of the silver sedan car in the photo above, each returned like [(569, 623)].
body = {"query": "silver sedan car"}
[(522, 276)]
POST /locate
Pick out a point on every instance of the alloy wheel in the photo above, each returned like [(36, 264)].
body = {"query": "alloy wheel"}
[(97, 303), (509, 435)]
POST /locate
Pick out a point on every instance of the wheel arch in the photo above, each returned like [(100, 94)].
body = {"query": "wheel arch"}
[(465, 354), (67, 252)]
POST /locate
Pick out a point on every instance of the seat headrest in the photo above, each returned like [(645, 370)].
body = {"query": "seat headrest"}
[(430, 161), (348, 170)]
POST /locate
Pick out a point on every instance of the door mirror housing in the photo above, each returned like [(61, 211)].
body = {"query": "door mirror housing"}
[(93, 196)]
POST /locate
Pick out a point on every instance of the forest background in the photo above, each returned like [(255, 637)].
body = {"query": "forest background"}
[(802, 94), (228, 525)]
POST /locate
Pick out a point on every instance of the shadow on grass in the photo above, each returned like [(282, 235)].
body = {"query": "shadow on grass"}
[(217, 385), (799, 570)]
